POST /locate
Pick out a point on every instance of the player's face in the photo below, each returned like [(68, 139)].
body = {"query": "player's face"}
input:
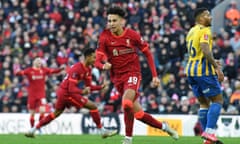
[(207, 18), (114, 23), (37, 63), (91, 59)]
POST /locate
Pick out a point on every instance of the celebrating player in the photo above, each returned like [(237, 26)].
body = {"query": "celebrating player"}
[(204, 73), (118, 52), (36, 76), (69, 94)]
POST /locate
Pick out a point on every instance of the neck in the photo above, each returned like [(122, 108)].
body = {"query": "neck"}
[(119, 32), (200, 24), (86, 64)]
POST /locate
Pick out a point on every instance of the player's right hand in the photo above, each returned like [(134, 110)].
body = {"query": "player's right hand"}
[(86, 90), (107, 66), (219, 74), (156, 81)]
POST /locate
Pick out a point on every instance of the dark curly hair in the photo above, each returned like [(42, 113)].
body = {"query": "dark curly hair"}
[(116, 10), (199, 11)]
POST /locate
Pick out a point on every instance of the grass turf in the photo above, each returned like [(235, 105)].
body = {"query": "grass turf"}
[(96, 139)]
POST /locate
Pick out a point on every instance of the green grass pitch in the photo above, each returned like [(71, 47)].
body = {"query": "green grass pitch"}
[(96, 139)]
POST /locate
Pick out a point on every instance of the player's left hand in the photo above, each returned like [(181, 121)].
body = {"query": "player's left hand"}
[(62, 67), (107, 66), (156, 81), (104, 86)]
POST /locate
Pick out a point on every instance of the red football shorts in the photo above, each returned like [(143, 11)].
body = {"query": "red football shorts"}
[(33, 103), (66, 99), (127, 81)]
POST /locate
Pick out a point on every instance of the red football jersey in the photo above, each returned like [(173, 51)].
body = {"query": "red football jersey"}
[(78, 73), (122, 52), (37, 78)]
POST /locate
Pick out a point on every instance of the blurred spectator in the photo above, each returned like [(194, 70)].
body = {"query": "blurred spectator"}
[(235, 42), (230, 69), (232, 14), (235, 97), (152, 106)]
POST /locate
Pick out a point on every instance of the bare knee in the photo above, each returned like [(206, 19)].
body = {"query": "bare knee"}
[(204, 102), (90, 105), (127, 104), (217, 99)]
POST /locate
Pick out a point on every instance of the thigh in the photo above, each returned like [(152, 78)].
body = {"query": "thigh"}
[(136, 107), (76, 100), (210, 86), (204, 101), (61, 99), (207, 86), (33, 103), (119, 87), (195, 86)]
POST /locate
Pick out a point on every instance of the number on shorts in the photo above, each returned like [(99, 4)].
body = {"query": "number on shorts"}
[(133, 80)]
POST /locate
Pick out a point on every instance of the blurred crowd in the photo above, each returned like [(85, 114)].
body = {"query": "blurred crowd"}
[(59, 30)]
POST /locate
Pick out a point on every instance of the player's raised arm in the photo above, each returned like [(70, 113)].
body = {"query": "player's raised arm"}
[(54, 70), (19, 72)]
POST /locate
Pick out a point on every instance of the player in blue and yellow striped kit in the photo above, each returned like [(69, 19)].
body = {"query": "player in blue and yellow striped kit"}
[(204, 73)]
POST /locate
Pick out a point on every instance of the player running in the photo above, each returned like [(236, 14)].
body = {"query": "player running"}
[(69, 94), (117, 51)]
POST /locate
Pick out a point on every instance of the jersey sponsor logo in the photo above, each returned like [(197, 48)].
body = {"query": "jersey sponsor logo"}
[(122, 51), (36, 77)]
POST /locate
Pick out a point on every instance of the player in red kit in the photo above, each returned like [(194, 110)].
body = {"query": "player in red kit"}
[(69, 94), (118, 52), (36, 76)]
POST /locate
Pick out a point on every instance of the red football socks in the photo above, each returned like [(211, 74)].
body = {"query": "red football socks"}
[(32, 120), (148, 119), (96, 117), (129, 120), (45, 120), (41, 116)]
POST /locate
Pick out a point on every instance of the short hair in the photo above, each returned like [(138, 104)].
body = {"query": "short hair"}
[(88, 52), (116, 10), (199, 11)]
